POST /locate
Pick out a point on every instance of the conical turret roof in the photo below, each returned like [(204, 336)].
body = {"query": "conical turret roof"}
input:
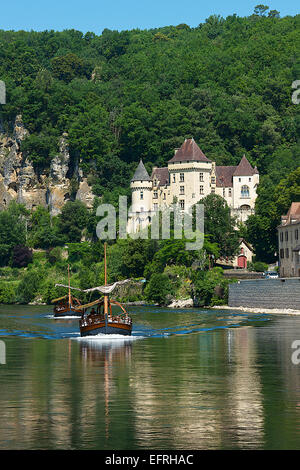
[(189, 151), (141, 173), (244, 168)]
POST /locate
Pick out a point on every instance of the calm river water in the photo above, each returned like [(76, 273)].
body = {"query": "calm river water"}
[(186, 379)]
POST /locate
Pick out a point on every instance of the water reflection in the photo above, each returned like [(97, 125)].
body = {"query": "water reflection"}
[(227, 388), (106, 353), (192, 403)]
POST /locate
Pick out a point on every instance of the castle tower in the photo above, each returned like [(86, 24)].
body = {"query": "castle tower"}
[(245, 182), (141, 190)]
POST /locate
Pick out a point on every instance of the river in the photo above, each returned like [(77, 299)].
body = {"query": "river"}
[(186, 379)]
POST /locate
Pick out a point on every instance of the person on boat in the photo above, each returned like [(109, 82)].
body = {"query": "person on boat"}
[(93, 311)]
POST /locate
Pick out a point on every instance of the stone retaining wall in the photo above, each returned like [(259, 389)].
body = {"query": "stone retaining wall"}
[(266, 293)]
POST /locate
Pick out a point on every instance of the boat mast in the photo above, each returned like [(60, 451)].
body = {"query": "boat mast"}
[(69, 286), (105, 283)]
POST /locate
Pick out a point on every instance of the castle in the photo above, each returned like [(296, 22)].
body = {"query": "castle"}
[(189, 177)]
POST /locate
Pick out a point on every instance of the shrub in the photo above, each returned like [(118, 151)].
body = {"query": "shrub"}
[(8, 292), (258, 266), (21, 256), (159, 289), (210, 288), (29, 286)]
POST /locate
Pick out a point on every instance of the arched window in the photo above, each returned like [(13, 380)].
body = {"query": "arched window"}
[(245, 191)]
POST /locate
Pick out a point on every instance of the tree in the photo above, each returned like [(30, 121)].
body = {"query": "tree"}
[(272, 202), (158, 289), (260, 10), (21, 256), (72, 220), (12, 230), (219, 225), (67, 67), (274, 14)]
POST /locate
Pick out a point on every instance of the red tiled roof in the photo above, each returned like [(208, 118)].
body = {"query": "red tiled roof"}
[(225, 176), (162, 175), (189, 151), (244, 168)]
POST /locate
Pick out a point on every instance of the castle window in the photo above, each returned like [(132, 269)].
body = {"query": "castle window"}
[(245, 191), (282, 253), (201, 176), (296, 234), (181, 177), (213, 180), (181, 203), (181, 189), (164, 195), (286, 235), (249, 179), (286, 252), (174, 178), (281, 236), (155, 195), (229, 191), (223, 192), (201, 189), (213, 190), (142, 195), (155, 206)]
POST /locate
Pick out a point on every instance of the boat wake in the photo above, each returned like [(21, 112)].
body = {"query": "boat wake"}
[(107, 338)]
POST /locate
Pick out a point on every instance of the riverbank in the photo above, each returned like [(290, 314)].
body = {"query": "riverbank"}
[(280, 311)]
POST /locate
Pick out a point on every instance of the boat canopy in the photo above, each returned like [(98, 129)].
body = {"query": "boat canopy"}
[(69, 287), (107, 289)]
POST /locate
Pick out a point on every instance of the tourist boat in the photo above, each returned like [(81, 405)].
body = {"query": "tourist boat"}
[(101, 320), (67, 305)]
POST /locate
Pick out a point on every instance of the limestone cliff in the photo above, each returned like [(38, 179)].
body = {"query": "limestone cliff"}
[(20, 182)]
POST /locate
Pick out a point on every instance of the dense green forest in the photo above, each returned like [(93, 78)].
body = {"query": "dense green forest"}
[(122, 96)]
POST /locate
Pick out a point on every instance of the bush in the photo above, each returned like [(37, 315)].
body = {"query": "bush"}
[(21, 256), (159, 289), (258, 266), (8, 292), (210, 288), (29, 286), (54, 255)]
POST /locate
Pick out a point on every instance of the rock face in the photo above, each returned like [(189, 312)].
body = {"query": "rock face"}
[(185, 303), (19, 181)]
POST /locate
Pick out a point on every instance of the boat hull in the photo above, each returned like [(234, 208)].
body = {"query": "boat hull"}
[(109, 329), (67, 313)]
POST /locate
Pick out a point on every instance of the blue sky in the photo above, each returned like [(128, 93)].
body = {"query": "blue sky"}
[(95, 15)]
